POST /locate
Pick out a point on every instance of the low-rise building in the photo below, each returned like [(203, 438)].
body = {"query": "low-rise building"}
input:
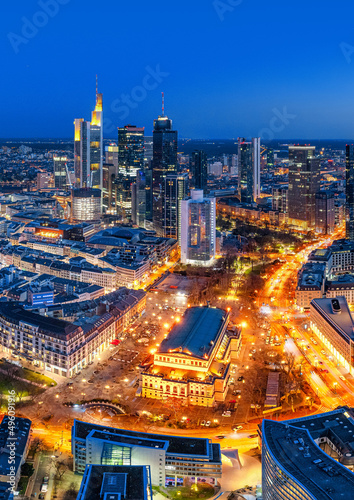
[(193, 363), (170, 457), (311, 284), (63, 347), (116, 482)]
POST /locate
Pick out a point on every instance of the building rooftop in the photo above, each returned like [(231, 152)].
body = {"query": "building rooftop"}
[(50, 326), (20, 435), (295, 450), (197, 332), (176, 444), (337, 313), (112, 482)]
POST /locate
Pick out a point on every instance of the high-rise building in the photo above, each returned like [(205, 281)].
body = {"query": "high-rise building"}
[(148, 151), (44, 180), (164, 163), (280, 199), (270, 159), (60, 171), (112, 155), (249, 169), (130, 150), (304, 183), (175, 192), (88, 148), (198, 229), (325, 212), (349, 191), (85, 205), (139, 193), (199, 169), (108, 177), (123, 196)]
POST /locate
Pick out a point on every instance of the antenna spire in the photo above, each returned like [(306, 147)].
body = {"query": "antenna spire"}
[(163, 103), (96, 85)]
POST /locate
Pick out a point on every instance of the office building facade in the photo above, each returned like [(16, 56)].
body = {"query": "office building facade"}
[(249, 169), (171, 458), (199, 170), (164, 163), (198, 229), (175, 192), (325, 212), (304, 183), (86, 205), (297, 457), (60, 171), (88, 148), (130, 150)]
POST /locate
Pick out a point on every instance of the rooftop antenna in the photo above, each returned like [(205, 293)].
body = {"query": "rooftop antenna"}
[(163, 103)]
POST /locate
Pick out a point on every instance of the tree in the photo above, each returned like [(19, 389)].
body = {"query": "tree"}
[(59, 467), (37, 445)]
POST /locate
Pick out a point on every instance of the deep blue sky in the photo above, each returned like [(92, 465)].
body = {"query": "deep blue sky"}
[(226, 76)]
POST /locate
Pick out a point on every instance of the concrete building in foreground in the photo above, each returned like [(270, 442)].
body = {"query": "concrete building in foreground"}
[(332, 322), (171, 458), (309, 458), (14, 444), (111, 482), (193, 363)]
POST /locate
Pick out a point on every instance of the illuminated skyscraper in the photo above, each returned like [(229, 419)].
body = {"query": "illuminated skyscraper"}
[(85, 205), (164, 162), (199, 168), (130, 150), (249, 170), (349, 191), (198, 229), (304, 183), (60, 171), (88, 148), (175, 192)]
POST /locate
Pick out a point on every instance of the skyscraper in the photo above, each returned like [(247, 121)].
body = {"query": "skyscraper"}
[(304, 183), (88, 148), (199, 168), (60, 171), (198, 229), (85, 205), (130, 150), (325, 212), (249, 169), (164, 163), (349, 191), (175, 192), (108, 177)]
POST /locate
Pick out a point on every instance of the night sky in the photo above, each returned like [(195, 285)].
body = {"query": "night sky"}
[(276, 68)]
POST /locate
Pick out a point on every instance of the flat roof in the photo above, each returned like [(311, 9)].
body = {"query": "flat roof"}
[(95, 480), (341, 319), (176, 444), (294, 449), (197, 332)]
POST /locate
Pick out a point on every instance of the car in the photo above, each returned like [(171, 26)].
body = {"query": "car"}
[(342, 377), (202, 422), (46, 480), (237, 428), (226, 414), (240, 378), (323, 352), (208, 423), (252, 436), (220, 437), (44, 488)]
